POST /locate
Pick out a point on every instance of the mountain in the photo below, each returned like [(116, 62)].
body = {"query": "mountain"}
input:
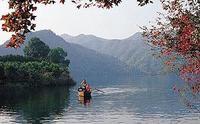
[(136, 53), (84, 63)]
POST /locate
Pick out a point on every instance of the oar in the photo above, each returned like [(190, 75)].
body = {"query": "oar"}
[(99, 90)]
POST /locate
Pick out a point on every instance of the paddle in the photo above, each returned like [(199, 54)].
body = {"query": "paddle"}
[(99, 90)]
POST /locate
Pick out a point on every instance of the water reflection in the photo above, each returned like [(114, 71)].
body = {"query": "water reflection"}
[(34, 105)]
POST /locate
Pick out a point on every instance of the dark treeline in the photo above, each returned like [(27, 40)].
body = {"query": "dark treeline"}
[(36, 68), (17, 58)]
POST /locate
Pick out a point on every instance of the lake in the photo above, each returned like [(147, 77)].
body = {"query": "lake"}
[(144, 100)]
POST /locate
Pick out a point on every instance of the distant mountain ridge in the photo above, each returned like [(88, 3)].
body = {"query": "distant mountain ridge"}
[(132, 50), (85, 63)]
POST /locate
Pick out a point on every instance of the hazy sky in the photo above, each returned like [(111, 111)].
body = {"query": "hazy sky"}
[(119, 22)]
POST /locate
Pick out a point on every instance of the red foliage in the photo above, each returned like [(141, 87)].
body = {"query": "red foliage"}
[(179, 36), (20, 20)]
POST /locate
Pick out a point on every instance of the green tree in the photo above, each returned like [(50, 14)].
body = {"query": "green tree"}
[(36, 49), (2, 73), (10, 70), (58, 55)]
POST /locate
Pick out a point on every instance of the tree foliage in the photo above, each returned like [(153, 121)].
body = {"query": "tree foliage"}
[(58, 55), (34, 71), (36, 49), (177, 34), (17, 58), (1, 72), (20, 20)]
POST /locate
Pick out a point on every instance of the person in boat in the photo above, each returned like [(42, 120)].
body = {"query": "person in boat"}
[(85, 87), (83, 84)]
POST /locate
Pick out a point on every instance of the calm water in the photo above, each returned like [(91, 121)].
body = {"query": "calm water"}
[(145, 100)]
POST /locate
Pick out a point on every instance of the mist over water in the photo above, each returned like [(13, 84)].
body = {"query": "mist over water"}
[(145, 100)]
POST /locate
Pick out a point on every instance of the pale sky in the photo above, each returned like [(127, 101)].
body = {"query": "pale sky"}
[(117, 23)]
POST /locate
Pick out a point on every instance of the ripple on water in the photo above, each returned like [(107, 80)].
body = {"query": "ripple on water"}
[(108, 91)]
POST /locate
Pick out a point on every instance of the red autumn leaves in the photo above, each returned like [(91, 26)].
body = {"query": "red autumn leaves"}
[(97, 3), (20, 21), (179, 38)]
